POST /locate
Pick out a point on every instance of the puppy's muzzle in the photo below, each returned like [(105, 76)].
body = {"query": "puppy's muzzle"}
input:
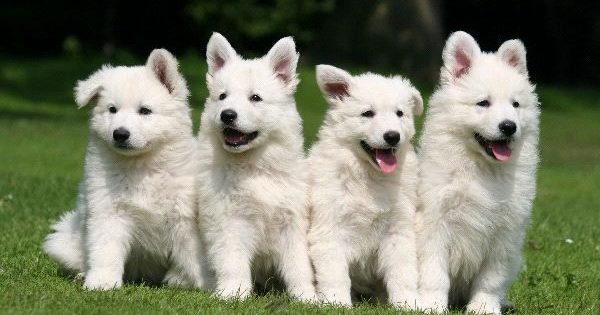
[(121, 135), (391, 137), (228, 117), (507, 127)]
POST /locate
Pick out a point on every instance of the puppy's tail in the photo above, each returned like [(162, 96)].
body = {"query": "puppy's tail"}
[(65, 243)]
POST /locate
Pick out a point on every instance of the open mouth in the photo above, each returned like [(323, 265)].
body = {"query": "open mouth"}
[(385, 159), (236, 138), (497, 149), (127, 148)]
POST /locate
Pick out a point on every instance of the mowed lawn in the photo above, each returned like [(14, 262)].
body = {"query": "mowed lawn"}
[(42, 144)]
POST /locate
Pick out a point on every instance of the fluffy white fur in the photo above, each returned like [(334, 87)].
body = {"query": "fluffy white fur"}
[(135, 217), (362, 218), (474, 208), (252, 197)]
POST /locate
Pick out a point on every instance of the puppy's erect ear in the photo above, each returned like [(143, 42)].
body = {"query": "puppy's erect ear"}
[(513, 53), (333, 82), (283, 59), (165, 67), (218, 53), (459, 53), (417, 102), (89, 88)]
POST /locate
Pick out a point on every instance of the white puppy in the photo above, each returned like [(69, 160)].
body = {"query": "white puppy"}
[(135, 215), (363, 182), (252, 195), (478, 162)]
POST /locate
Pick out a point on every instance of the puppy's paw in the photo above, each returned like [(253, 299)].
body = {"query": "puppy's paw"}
[(432, 303), (484, 305), (406, 301), (306, 295), (174, 278), (80, 276), (233, 292), (333, 297), (102, 280)]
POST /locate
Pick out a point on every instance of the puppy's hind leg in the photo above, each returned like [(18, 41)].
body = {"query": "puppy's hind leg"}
[(65, 245), (186, 268), (294, 263)]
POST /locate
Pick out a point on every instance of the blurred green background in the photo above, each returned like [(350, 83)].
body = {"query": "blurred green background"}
[(48, 46), (562, 37)]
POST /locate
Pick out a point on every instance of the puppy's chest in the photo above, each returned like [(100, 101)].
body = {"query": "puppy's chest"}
[(151, 194), (482, 216), (482, 204), (365, 212), (262, 196), (369, 202)]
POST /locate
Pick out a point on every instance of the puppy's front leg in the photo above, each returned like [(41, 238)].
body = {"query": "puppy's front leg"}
[(187, 268), (107, 244), (398, 261), (294, 264), (434, 280), (331, 271), (489, 286), (230, 254)]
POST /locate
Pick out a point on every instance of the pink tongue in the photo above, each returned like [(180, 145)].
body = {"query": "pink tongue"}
[(386, 160), (234, 138), (501, 151)]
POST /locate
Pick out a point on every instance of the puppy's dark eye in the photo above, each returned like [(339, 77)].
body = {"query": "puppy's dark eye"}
[(368, 113), (145, 111), (222, 96), (484, 103), (399, 113), (255, 98), (516, 104), (112, 109)]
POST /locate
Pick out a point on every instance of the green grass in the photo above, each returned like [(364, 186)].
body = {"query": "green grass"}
[(42, 145)]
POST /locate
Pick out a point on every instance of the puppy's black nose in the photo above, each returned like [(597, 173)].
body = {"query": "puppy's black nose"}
[(228, 116), (508, 127), (391, 137), (121, 134)]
